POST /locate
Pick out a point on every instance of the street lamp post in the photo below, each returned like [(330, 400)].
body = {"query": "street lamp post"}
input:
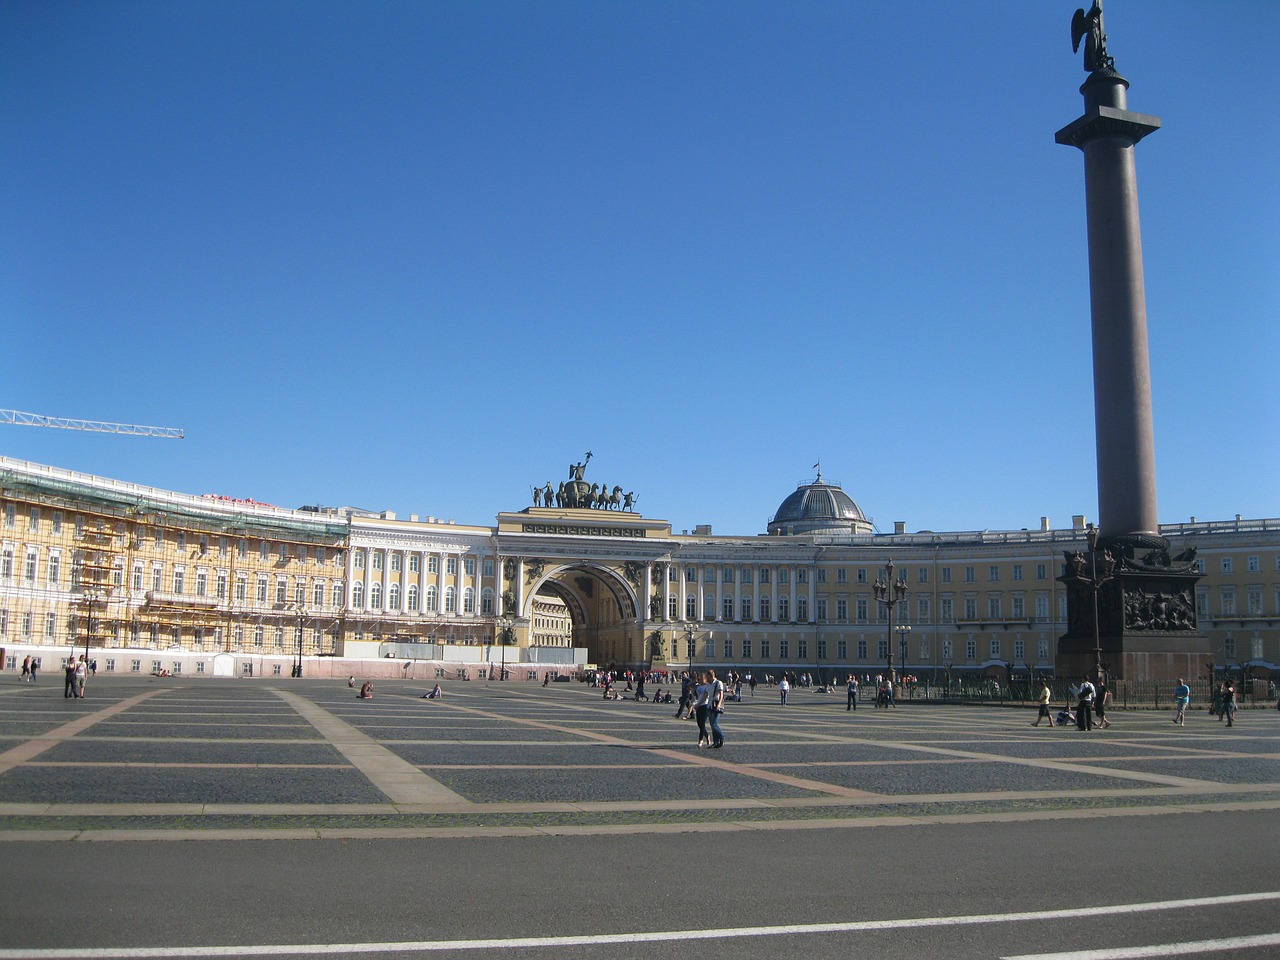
[(890, 592), (688, 637), (1095, 582), (302, 614), (505, 637), (904, 639)]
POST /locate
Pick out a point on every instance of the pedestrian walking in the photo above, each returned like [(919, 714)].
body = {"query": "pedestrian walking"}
[(702, 703), (1101, 699), (1229, 703), (81, 671), (715, 707), (783, 688), (1043, 697), (26, 669), (1181, 700), (1084, 705), (69, 679), (851, 690), (685, 708)]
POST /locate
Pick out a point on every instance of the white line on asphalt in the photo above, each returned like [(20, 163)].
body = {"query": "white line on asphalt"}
[(592, 940), (1159, 950)]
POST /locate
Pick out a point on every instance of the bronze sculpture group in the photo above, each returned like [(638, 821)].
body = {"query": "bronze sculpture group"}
[(576, 493)]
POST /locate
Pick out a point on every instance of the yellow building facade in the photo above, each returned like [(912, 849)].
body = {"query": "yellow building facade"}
[(152, 580)]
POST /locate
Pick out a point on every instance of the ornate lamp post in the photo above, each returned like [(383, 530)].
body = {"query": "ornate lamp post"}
[(689, 646), (1095, 582), (301, 611), (505, 636), (890, 592), (904, 639)]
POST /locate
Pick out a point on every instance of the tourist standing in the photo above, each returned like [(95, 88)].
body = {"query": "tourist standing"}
[(69, 678), (82, 671), (783, 688), (1229, 703), (851, 693), (1084, 705)]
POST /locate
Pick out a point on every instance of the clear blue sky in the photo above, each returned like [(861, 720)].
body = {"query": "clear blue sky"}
[(419, 256)]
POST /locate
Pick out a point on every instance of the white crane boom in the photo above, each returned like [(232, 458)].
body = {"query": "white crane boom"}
[(94, 426)]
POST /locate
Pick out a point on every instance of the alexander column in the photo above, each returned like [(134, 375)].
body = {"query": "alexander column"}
[(1139, 621)]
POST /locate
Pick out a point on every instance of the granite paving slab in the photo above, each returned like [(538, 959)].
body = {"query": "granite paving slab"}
[(588, 754), (221, 731), (577, 786), (1215, 769), (100, 750), (184, 785), (897, 780)]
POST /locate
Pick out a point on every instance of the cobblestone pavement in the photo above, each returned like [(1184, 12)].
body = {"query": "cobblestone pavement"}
[(144, 757)]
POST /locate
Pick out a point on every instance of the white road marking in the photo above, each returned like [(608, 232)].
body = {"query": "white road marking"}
[(1159, 950), (590, 940)]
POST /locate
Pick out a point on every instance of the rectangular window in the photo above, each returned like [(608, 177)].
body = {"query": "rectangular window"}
[(282, 590), (971, 649), (822, 574), (993, 574), (993, 608), (842, 650), (802, 649), (995, 649), (728, 574), (1019, 650), (451, 566), (784, 650), (971, 608), (395, 563), (1042, 571), (54, 567), (802, 575), (970, 574), (764, 649), (202, 583), (946, 574), (728, 649), (842, 575), (861, 607), (1226, 564), (820, 609), (842, 610), (1019, 610), (822, 649), (882, 649), (764, 574), (1017, 571), (1254, 565), (746, 648), (862, 650), (469, 566), (433, 564)]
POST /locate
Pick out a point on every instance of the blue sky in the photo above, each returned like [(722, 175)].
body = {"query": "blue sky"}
[(419, 256)]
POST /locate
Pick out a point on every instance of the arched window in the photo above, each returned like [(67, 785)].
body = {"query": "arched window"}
[(393, 597), (357, 594), (486, 601), (746, 608), (450, 600), (431, 598), (469, 600), (726, 607), (413, 598), (784, 608), (764, 606), (375, 596)]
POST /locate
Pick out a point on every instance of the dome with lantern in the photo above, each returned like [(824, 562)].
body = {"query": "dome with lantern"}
[(819, 506)]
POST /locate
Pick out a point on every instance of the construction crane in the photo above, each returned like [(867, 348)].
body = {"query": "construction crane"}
[(94, 426)]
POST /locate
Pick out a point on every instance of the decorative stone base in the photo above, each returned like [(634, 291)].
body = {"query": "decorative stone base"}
[(1145, 602)]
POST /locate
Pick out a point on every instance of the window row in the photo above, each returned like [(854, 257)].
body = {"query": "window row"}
[(430, 600)]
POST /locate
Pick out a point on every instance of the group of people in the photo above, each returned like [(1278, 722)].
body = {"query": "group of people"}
[(30, 665), (77, 669), (1091, 696), (702, 698)]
